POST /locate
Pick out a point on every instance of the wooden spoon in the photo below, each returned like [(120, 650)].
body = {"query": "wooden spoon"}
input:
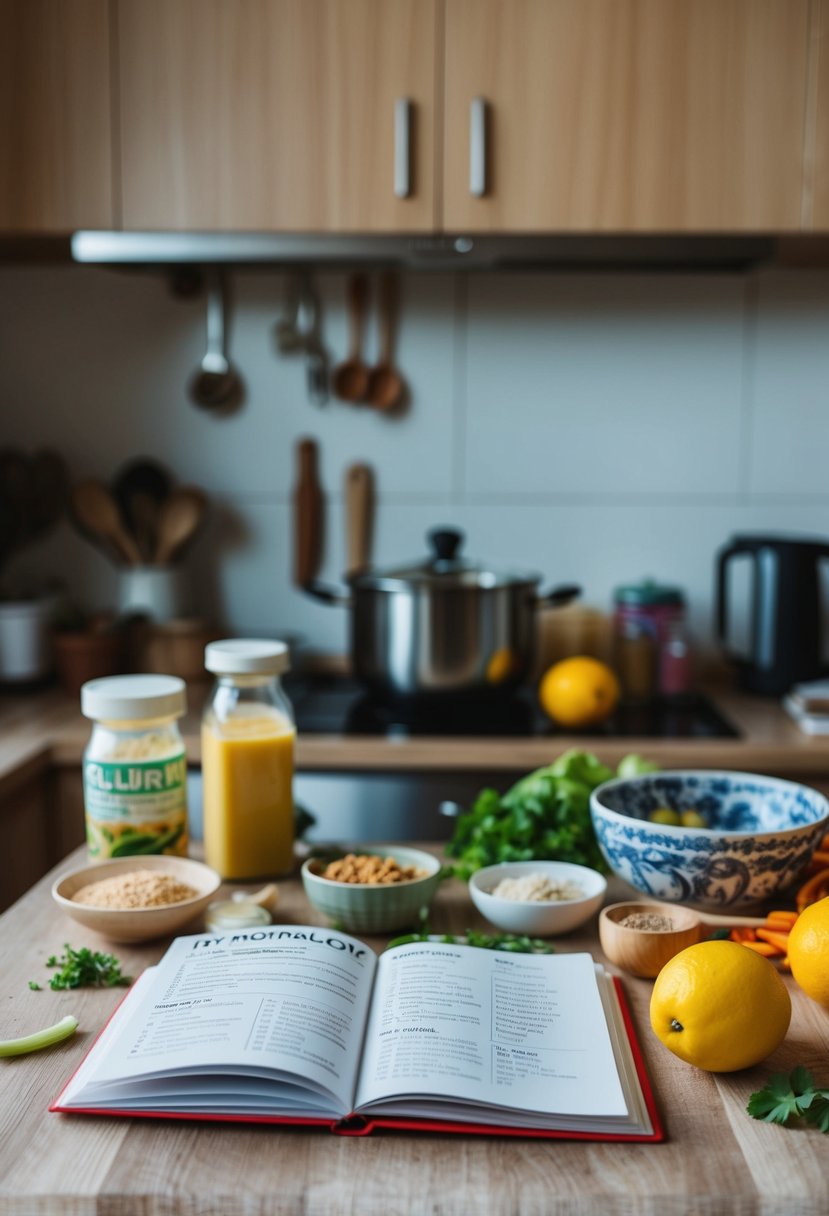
[(351, 379), (386, 385), (178, 521), (309, 513), (645, 951), (140, 487), (96, 511)]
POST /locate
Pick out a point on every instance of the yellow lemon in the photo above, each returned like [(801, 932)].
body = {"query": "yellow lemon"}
[(809, 951), (580, 691), (720, 1006)]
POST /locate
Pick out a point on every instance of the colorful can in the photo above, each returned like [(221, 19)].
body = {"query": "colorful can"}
[(134, 767)]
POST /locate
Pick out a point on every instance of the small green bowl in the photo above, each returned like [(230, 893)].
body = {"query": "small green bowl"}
[(369, 908)]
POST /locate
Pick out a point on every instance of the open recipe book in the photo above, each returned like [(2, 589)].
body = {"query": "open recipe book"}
[(302, 1025)]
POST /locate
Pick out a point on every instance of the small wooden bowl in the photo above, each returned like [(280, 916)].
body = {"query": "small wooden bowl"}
[(646, 951)]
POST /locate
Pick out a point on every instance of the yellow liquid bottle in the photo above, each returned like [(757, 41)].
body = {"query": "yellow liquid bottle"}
[(248, 737)]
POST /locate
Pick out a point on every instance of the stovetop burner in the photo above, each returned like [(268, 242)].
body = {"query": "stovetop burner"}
[(337, 705)]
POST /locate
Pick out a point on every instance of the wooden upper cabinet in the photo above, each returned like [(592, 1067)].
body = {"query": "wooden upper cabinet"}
[(55, 131), (817, 168), (276, 115), (628, 115)]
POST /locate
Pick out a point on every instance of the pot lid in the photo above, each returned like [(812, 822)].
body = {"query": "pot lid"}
[(445, 568)]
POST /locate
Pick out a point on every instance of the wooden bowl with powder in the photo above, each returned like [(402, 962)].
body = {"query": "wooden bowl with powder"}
[(136, 899)]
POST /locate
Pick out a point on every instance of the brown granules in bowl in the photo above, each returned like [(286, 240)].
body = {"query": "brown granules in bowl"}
[(367, 868), (653, 922), (135, 889)]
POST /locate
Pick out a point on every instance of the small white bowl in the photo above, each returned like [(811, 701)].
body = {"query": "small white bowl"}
[(139, 924), (537, 919)]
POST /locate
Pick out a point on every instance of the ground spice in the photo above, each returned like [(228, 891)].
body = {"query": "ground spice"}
[(135, 889), (537, 888), (653, 922)]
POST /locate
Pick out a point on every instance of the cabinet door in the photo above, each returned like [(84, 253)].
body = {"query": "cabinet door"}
[(627, 115), (817, 191), (55, 159), (275, 114)]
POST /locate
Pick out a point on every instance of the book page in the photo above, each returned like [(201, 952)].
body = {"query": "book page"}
[(290, 1000), (520, 1032)]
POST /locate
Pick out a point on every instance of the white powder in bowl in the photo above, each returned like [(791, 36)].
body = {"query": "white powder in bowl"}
[(537, 888)]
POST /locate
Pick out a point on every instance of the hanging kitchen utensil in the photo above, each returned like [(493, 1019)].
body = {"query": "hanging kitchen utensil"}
[(96, 513), (386, 386), (359, 517), (216, 386), (179, 519), (308, 514), (140, 488), (300, 332), (351, 378)]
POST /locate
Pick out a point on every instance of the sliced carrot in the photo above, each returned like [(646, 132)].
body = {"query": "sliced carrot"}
[(743, 934), (820, 857), (764, 948), (780, 940), (813, 889), (780, 917)]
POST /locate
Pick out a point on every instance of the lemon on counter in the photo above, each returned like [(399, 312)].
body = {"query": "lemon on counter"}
[(580, 691), (808, 950), (720, 1006)]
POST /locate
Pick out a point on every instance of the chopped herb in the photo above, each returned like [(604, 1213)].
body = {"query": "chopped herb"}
[(786, 1099), (35, 986), (86, 968), (515, 943)]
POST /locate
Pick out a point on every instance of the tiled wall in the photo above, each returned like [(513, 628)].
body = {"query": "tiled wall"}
[(596, 428)]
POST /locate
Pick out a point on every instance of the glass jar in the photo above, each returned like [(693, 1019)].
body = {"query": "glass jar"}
[(134, 766), (647, 612), (248, 737)]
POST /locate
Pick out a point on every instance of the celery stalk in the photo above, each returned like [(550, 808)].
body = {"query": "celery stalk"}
[(41, 1038)]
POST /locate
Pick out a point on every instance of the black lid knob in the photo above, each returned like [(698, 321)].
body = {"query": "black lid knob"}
[(445, 543)]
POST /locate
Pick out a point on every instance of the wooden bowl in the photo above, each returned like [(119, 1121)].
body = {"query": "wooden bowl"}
[(646, 951), (139, 924)]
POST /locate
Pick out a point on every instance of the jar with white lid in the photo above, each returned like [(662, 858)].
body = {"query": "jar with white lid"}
[(248, 737), (134, 766)]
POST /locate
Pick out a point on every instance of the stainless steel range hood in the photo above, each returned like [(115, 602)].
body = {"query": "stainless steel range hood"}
[(425, 252)]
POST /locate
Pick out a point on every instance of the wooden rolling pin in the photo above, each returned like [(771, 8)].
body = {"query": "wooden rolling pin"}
[(308, 514)]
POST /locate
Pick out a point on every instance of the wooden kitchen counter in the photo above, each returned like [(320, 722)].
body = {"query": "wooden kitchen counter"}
[(716, 1159), (47, 728)]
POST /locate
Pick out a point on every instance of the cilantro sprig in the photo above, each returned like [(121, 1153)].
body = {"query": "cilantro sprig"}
[(86, 968), (787, 1099)]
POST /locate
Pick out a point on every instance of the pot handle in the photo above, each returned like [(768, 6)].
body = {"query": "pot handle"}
[(559, 596), (326, 593)]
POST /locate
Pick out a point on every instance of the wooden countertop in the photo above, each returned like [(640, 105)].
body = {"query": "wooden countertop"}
[(716, 1159), (46, 728)]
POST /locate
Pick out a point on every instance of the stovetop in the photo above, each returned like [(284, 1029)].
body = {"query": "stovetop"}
[(336, 705)]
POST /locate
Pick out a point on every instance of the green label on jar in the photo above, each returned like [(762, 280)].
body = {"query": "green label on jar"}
[(135, 807)]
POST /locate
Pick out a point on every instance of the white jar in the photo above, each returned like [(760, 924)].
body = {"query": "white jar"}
[(134, 767)]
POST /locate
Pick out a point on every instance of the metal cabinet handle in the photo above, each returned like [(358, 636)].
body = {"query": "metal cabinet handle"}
[(402, 147), (477, 147)]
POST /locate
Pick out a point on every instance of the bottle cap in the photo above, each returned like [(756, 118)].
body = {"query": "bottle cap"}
[(247, 656), (131, 698)]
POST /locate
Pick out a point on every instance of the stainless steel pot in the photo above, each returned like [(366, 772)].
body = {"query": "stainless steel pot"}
[(442, 626)]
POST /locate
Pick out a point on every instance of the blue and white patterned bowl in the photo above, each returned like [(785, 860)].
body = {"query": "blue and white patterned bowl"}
[(761, 833)]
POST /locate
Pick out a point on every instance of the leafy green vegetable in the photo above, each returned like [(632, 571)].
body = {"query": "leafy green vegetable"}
[(35, 986), (546, 815), (785, 1099), (85, 968), (515, 943), (634, 766), (41, 1038)]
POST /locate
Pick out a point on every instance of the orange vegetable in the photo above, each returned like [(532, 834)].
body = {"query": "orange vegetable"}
[(779, 940), (820, 857), (780, 918), (764, 948), (743, 934), (813, 889)]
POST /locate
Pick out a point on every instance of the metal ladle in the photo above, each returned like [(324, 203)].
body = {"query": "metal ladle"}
[(216, 385)]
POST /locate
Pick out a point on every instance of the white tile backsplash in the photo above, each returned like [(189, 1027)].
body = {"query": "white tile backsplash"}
[(594, 428)]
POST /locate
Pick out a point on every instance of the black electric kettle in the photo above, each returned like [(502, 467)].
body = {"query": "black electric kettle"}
[(785, 626)]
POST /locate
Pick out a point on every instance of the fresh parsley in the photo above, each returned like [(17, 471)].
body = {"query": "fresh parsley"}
[(785, 1099), (86, 968)]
